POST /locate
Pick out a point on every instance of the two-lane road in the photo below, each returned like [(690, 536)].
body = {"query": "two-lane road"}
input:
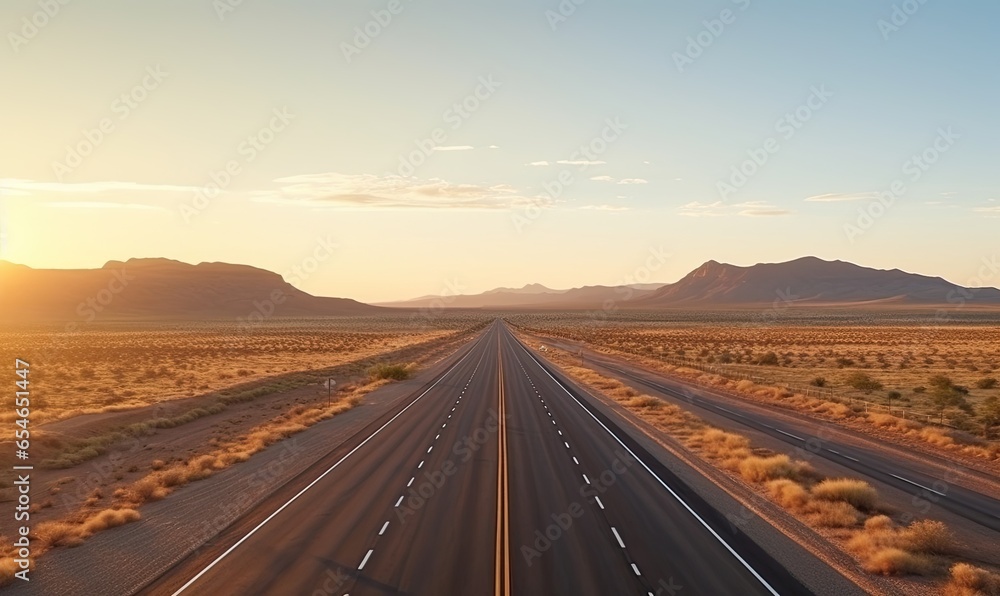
[(495, 479)]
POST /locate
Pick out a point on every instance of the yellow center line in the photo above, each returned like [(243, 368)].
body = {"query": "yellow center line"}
[(502, 583)]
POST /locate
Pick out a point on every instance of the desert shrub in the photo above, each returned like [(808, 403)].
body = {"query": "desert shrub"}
[(768, 359), (967, 580), (896, 561), (863, 382), (788, 493), (394, 372), (928, 536), (644, 401), (987, 383), (832, 514), (818, 382), (761, 469), (856, 492)]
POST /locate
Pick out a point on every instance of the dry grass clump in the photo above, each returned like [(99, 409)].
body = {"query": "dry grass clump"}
[(896, 561), (626, 392), (832, 514), (890, 421), (642, 401), (788, 493), (936, 436), (890, 550), (8, 567), (395, 372), (856, 492), (61, 533), (762, 469), (967, 580)]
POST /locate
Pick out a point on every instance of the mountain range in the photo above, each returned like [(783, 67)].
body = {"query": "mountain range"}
[(807, 281), (141, 288), (153, 288)]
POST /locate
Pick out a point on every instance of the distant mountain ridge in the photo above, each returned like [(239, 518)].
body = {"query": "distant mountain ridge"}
[(811, 281), (140, 288), (530, 296), (808, 281)]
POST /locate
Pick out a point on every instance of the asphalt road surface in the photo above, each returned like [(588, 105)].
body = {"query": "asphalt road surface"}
[(497, 478)]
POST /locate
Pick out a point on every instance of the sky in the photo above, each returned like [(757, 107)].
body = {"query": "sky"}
[(388, 149)]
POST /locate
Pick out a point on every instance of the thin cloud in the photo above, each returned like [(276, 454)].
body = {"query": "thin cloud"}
[(622, 181), (368, 191), (988, 210), (538, 163), (454, 148), (841, 197), (22, 186), (580, 162), (100, 205), (604, 208), (720, 209)]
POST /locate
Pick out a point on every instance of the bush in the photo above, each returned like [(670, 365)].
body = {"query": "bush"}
[(856, 492), (967, 580), (760, 469), (768, 359), (863, 382), (394, 372), (895, 561), (987, 383), (788, 493), (818, 382)]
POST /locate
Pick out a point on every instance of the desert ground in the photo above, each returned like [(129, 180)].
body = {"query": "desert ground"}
[(894, 361)]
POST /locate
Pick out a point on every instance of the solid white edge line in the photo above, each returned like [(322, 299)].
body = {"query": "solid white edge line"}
[(323, 475), (919, 485), (658, 479), (789, 434)]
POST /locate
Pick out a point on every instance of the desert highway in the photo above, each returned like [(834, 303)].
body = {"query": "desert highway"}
[(497, 477)]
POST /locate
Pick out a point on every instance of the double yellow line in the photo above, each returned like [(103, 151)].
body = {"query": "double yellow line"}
[(502, 584)]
